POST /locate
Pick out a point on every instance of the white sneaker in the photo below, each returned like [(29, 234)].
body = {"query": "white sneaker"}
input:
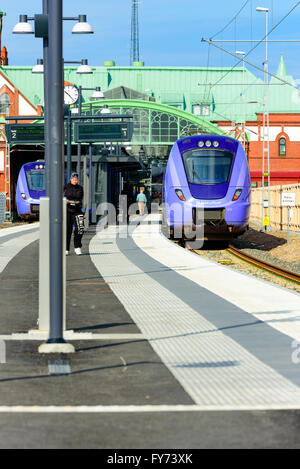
[(78, 251), (67, 253)]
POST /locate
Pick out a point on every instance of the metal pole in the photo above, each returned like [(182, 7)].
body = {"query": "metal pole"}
[(268, 120), (44, 310), (56, 170), (46, 101), (69, 144), (244, 117), (79, 145), (288, 224), (91, 182)]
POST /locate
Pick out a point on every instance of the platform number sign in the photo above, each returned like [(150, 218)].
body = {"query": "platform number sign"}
[(103, 132), (22, 133)]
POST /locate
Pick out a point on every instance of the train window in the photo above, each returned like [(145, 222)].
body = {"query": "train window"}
[(36, 179), (282, 147), (208, 166), (4, 104)]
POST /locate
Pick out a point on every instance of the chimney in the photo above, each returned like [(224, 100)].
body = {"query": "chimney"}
[(4, 58)]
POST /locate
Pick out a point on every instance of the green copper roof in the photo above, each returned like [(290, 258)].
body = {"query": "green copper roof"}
[(216, 92), (282, 70)]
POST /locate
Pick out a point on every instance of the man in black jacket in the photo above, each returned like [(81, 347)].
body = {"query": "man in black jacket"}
[(74, 195)]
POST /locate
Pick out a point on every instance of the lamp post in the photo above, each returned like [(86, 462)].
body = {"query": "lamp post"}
[(96, 95), (266, 140), (56, 137), (242, 53), (50, 26), (83, 69)]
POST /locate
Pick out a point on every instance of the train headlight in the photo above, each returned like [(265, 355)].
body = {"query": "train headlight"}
[(179, 194), (215, 144), (237, 194), (23, 195), (208, 143), (201, 144)]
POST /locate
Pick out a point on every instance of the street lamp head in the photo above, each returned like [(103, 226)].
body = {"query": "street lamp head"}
[(97, 94), (84, 68), (23, 27), (262, 9), (82, 27), (105, 110), (39, 67), (240, 52)]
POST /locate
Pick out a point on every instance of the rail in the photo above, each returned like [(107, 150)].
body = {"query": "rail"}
[(285, 274)]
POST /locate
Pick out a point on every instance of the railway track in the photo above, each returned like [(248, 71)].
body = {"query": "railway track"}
[(278, 271), (285, 274)]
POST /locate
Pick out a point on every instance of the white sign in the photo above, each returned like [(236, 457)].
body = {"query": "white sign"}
[(288, 199)]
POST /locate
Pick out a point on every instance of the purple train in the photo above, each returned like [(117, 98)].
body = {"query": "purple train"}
[(206, 184), (30, 187)]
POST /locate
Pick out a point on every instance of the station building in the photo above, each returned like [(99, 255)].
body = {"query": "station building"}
[(166, 103)]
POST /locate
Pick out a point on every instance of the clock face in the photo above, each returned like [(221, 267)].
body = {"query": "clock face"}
[(71, 94)]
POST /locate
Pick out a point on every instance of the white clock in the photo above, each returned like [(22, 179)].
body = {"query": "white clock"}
[(71, 94)]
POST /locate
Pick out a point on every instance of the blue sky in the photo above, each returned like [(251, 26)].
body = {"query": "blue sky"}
[(170, 32)]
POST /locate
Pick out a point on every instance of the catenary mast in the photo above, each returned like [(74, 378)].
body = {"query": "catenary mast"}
[(134, 44)]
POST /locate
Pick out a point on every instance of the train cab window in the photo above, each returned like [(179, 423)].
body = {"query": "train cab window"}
[(282, 146), (208, 166), (4, 104), (36, 179)]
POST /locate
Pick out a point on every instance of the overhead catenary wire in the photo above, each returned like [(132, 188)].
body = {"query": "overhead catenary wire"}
[(249, 63), (206, 76), (231, 21), (210, 41)]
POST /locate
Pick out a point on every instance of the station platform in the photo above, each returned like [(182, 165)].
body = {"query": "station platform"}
[(227, 337), (157, 330)]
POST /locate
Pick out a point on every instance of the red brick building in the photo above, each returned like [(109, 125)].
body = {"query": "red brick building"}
[(284, 141)]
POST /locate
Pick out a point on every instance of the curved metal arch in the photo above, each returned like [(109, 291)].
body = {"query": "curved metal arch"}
[(163, 108)]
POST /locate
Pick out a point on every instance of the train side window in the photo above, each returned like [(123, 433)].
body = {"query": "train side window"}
[(282, 147), (4, 104)]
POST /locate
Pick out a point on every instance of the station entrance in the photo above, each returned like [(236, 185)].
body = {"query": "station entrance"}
[(19, 155), (112, 179)]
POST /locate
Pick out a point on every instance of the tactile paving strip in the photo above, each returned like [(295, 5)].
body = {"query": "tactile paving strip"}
[(12, 242), (212, 368)]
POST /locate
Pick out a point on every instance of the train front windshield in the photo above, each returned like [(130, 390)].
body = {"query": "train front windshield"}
[(36, 179), (208, 166)]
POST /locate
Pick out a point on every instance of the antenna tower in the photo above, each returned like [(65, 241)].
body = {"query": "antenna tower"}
[(134, 44)]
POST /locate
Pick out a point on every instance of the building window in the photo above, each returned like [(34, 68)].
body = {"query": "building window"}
[(4, 104), (282, 147), (177, 106), (200, 109)]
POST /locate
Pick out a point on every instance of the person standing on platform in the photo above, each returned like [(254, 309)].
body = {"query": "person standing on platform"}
[(74, 195), (141, 200)]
